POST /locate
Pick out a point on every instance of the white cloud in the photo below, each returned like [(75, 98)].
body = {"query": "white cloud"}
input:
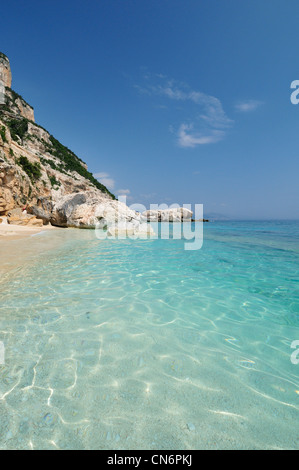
[(105, 179), (208, 118), (123, 192), (188, 138), (109, 182), (247, 106), (211, 108)]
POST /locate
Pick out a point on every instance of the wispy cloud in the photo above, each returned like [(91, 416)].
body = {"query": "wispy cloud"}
[(105, 179), (207, 122), (123, 192), (188, 138), (110, 183), (248, 106)]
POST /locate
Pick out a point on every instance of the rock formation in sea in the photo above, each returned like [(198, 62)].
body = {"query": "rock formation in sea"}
[(179, 214), (41, 174)]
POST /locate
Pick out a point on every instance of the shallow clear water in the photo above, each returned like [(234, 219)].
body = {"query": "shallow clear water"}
[(142, 345)]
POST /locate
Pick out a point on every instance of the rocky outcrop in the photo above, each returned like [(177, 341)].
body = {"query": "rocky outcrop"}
[(17, 189), (35, 169), (16, 107), (12, 187), (18, 217), (179, 214), (42, 210), (85, 210), (24, 108), (14, 103), (55, 186), (5, 72)]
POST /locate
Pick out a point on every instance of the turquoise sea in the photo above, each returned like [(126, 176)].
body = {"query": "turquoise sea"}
[(139, 344)]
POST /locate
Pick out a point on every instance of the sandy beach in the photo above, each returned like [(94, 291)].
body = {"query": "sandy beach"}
[(15, 232)]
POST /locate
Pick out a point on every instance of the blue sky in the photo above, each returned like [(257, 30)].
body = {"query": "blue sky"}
[(168, 101)]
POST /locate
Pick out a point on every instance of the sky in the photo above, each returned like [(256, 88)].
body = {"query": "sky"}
[(168, 101)]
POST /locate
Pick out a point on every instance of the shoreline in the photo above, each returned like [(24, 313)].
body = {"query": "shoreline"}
[(17, 232)]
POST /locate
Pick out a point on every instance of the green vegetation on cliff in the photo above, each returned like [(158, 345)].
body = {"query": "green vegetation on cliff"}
[(3, 56), (14, 97), (54, 182), (2, 133), (18, 127), (33, 170), (72, 163)]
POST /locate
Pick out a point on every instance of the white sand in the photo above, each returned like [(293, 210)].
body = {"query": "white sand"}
[(20, 231)]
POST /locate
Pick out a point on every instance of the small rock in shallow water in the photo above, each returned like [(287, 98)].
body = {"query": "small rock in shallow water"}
[(48, 418), (191, 427)]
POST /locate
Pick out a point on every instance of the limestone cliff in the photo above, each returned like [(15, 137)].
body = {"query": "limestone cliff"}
[(39, 172), (5, 72)]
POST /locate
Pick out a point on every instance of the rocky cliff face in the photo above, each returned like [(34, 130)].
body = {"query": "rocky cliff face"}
[(5, 72), (40, 173)]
